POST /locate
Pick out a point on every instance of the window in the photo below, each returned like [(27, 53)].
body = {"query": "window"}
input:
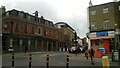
[(29, 17), (45, 33), (106, 24), (14, 13), (105, 10), (8, 13), (46, 22), (32, 30), (39, 31), (21, 42), (17, 27), (93, 25), (93, 12), (25, 28), (21, 15)]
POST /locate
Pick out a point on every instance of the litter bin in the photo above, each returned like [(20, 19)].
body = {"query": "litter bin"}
[(116, 55)]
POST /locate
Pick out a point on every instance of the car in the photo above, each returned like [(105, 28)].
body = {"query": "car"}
[(72, 49)]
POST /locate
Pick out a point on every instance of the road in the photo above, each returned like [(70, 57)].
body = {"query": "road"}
[(56, 59)]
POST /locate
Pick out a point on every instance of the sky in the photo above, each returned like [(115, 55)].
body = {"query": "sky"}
[(72, 12)]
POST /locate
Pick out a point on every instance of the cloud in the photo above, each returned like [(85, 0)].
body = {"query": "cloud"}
[(73, 12)]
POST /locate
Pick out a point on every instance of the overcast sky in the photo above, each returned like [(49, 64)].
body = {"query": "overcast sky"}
[(73, 12)]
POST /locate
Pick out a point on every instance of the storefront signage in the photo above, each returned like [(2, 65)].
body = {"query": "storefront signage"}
[(99, 34), (102, 34)]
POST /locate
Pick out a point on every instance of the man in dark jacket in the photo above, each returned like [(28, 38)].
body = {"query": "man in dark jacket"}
[(91, 52)]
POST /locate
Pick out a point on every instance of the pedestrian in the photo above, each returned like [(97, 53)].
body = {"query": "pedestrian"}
[(91, 52), (86, 53), (26, 48)]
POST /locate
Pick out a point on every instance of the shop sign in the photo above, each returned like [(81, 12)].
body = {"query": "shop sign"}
[(99, 34), (92, 34)]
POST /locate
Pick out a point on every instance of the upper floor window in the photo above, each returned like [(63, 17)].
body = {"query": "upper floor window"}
[(93, 25), (45, 32), (93, 12), (46, 22), (20, 14), (105, 10), (25, 28), (29, 17), (8, 13), (39, 31), (106, 24), (33, 30), (17, 27), (14, 12)]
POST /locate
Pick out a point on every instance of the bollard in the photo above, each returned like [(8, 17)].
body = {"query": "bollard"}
[(47, 65), (30, 59), (105, 62), (67, 64), (13, 60)]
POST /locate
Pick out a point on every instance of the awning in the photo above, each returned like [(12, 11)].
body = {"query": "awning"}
[(106, 37)]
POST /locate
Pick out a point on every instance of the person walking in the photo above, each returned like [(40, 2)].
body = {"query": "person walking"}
[(91, 52), (26, 48)]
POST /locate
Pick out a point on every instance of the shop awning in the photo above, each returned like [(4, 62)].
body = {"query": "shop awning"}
[(106, 37)]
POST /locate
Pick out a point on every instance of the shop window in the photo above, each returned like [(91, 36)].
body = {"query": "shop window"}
[(97, 42)]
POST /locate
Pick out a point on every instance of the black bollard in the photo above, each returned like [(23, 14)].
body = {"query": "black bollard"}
[(47, 65), (13, 60), (67, 64), (30, 59)]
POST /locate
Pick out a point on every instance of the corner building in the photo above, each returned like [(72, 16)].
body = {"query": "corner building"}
[(23, 29), (104, 23)]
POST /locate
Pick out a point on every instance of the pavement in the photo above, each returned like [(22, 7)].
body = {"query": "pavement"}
[(72, 56)]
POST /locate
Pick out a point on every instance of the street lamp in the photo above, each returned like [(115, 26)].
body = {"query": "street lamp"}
[(117, 33)]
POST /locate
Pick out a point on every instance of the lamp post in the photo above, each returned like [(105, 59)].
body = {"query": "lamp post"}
[(117, 33)]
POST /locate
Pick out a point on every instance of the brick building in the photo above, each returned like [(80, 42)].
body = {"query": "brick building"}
[(22, 29), (104, 23), (69, 35)]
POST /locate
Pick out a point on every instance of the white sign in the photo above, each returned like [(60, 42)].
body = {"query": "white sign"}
[(111, 34), (92, 34)]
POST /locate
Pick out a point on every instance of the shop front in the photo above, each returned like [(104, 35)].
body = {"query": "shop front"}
[(102, 41)]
